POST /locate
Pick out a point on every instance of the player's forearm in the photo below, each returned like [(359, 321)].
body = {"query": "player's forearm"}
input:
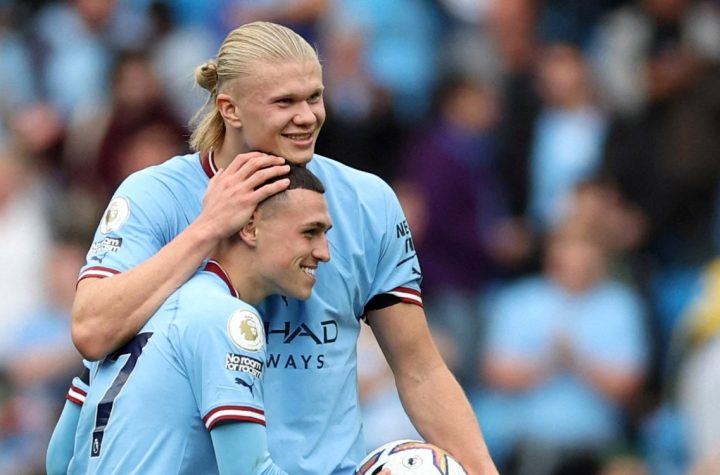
[(440, 412), (241, 449), (62, 442), (108, 312)]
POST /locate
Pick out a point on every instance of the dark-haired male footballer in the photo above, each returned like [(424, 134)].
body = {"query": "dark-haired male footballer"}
[(185, 395)]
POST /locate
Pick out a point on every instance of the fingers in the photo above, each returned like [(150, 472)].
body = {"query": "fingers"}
[(264, 174), (234, 192), (242, 158), (256, 169), (270, 189), (247, 164)]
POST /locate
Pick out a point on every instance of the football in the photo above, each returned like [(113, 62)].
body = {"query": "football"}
[(410, 457)]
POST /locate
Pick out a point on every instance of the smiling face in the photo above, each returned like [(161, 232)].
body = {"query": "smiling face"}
[(292, 242), (280, 108)]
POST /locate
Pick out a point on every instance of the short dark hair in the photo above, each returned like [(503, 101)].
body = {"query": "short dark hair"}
[(300, 178)]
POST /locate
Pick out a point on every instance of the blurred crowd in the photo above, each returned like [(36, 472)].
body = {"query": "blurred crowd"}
[(558, 162)]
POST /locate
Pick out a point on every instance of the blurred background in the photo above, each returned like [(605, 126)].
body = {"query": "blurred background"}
[(558, 162)]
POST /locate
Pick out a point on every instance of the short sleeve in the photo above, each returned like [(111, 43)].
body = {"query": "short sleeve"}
[(398, 274), (140, 219), (80, 385), (224, 354)]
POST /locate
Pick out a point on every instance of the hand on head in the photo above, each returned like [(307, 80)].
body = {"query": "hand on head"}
[(234, 192)]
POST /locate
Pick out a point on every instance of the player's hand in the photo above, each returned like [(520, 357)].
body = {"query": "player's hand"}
[(233, 193)]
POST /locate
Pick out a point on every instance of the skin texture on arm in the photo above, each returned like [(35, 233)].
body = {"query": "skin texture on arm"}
[(62, 443), (241, 448), (107, 312), (431, 396)]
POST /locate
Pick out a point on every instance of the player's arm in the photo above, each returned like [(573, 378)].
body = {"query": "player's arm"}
[(241, 448), (431, 396), (62, 442), (109, 311)]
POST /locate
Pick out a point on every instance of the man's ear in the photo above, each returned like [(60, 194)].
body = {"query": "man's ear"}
[(228, 109), (249, 232)]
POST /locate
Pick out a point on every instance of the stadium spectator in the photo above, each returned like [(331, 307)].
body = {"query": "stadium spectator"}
[(78, 40), (569, 134), (101, 142), (176, 47), (363, 129), (401, 41), (658, 70), (24, 240), (512, 26), (41, 357), (464, 247), (566, 351), (16, 79)]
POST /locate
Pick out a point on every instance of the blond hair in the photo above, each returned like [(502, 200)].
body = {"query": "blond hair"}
[(242, 49)]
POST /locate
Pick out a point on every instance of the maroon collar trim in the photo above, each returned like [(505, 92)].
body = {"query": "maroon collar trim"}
[(207, 160), (214, 267)]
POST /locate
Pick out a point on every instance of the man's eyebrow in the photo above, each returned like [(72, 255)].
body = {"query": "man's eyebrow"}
[(320, 225), (291, 94)]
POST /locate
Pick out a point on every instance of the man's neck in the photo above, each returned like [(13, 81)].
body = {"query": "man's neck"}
[(223, 157), (242, 276)]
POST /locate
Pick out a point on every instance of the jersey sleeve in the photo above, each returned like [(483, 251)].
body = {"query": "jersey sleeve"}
[(224, 355), (62, 442), (79, 386), (398, 275), (141, 218), (249, 440)]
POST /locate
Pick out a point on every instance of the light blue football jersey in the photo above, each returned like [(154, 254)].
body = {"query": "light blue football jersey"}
[(314, 421), (150, 406), (147, 211)]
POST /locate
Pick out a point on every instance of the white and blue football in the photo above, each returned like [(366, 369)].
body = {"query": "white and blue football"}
[(410, 457)]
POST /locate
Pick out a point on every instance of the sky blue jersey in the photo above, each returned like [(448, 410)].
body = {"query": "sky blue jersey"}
[(314, 423), (198, 362)]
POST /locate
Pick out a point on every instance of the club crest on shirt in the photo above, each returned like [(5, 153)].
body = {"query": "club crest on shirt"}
[(115, 215), (246, 330)]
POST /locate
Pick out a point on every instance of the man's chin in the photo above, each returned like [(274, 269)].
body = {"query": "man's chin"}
[(301, 159), (298, 158)]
